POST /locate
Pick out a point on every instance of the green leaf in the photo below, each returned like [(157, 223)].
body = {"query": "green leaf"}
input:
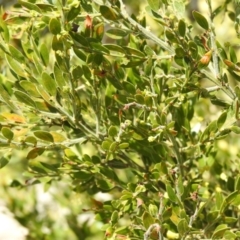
[(59, 78), (24, 98), (114, 217), (57, 44), (44, 51), (106, 144), (123, 145), (43, 135), (229, 235), (154, 4), (211, 128), (116, 163), (228, 200), (3, 162), (201, 20), (115, 50), (16, 66), (49, 84), (147, 220), (153, 210), (35, 153), (182, 227), (134, 52), (104, 185), (30, 88), (193, 48), (233, 56), (57, 137), (109, 13), (4, 97), (82, 175), (54, 26), (30, 6), (16, 54), (221, 120), (81, 54), (31, 139), (7, 133), (99, 47), (116, 33), (73, 13), (171, 194), (112, 131), (219, 231), (182, 28)]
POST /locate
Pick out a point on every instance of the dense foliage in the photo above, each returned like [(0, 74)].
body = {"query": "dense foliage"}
[(92, 100)]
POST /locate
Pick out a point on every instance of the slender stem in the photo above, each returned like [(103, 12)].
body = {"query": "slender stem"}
[(147, 33), (150, 229), (177, 153)]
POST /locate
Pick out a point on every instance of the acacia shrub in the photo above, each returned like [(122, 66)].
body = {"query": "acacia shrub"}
[(91, 93)]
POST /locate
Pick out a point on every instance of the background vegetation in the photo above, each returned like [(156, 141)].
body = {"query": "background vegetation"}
[(120, 121)]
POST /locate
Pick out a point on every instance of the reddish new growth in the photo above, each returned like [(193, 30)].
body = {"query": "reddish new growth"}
[(88, 22)]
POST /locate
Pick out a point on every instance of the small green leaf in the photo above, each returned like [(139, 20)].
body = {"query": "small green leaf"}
[(232, 53), (154, 4), (114, 217), (182, 227), (49, 84), (57, 44), (219, 231), (147, 219), (116, 33), (211, 128), (5, 97), (153, 210), (16, 54), (7, 133), (3, 162), (99, 47), (58, 137), (112, 131), (201, 20), (30, 6), (123, 145), (104, 185), (44, 51), (16, 66), (82, 175), (59, 78), (228, 200), (118, 164), (113, 146), (229, 235), (182, 28), (54, 26), (134, 52), (30, 88), (35, 153), (237, 183), (171, 194), (24, 98), (81, 54), (106, 144), (193, 48), (31, 139), (221, 120), (43, 135), (109, 13), (73, 13)]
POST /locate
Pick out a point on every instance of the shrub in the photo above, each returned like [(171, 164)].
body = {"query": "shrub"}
[(101, 103)]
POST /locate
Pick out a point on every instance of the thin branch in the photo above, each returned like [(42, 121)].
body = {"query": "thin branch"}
[(147, 33)]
